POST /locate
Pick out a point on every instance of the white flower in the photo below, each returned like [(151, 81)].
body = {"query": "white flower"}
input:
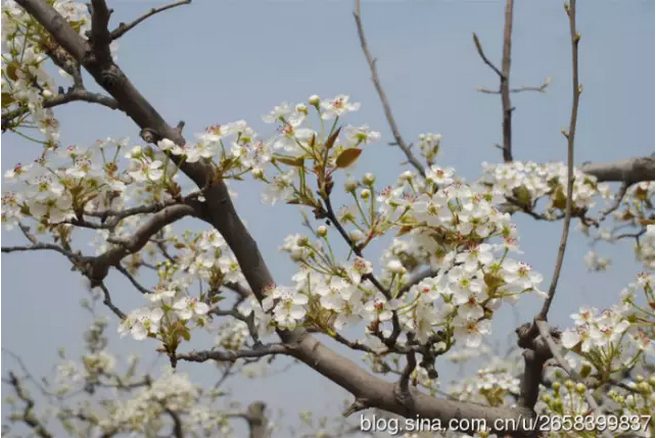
[(354, 136), (470, 331), (439, 175), (187, 308), (278, 113), (337, 106), (147, 171), (290, 307), (519, 276), (141, 322), (281, 188)]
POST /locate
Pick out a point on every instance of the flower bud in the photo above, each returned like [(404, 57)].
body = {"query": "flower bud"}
[(47, 93), (407, 175), (569, 384), (369, 178), (301, 108), (350, 185), (365, 193), (556, 386), (580, 388), (396, 267), (356, 235), (314, 100), (322, 231), (644, 387)]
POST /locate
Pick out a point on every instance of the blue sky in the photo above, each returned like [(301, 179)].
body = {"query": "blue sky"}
[(219, 61)]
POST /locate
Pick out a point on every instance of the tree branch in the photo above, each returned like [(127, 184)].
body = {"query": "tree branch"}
[(107, 301), (100, 265), (232, 356), (28, 413), (124, 28), (505, 81), (575, 37), (381, 93), (504, 78), (628, 171), (72, 95)]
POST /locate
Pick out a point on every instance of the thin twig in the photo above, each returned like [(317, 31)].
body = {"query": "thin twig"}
[(131, 278), (381, 93), (123, 28), (504, 79), (479, 48), (541, 89), (107, 301), (570, 135)]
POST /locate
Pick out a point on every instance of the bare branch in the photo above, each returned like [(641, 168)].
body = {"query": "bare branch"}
[(232, 356), (107, 301), (257, 422), (405, 397), (504, 78), (381, 93), (575, 37), (131, 278), (123, 28), (102, 263), (505, 81), (479, 48), (616, 203), (99, 37), (178, 431), (541, 89), (28, 413)]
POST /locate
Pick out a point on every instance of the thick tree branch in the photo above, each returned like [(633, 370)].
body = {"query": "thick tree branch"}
[(101, 264), (383, 97), (124, 28), (628, 171), (258, 425)]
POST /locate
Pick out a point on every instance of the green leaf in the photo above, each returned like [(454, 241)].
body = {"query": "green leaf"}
[(348, 157)]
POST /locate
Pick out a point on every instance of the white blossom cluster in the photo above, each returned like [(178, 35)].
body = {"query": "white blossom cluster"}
[(26, 83), (527, 182), (170, 316), (622, 331)]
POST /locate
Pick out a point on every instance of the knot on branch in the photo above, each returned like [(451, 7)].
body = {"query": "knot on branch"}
[(358, 405), (111, 77), (149, 135)]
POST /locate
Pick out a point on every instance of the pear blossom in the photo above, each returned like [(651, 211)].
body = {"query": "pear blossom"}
[(338, 106)]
